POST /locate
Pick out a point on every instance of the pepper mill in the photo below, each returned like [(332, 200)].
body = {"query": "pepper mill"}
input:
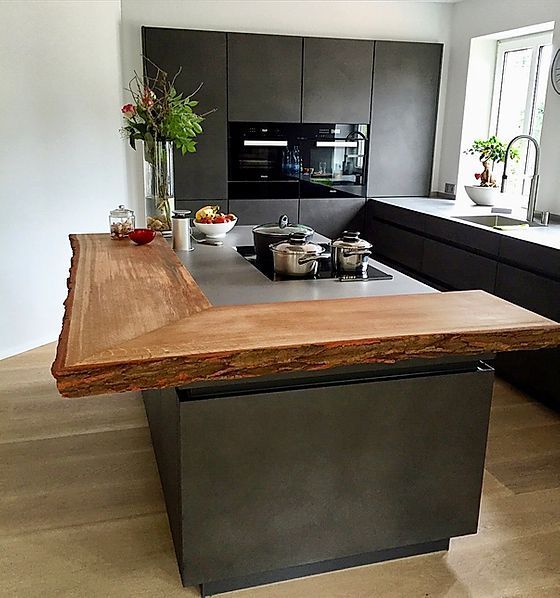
[(181, 227)]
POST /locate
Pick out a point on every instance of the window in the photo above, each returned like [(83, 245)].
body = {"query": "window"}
[(522, 70)]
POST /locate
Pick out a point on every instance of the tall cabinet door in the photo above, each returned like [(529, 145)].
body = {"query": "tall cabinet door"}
[(403, 120), (202, 57), (264, 77), (336, 80)]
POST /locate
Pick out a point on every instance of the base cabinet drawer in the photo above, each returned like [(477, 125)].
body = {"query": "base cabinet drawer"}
[(471, 238), (534, 292), (397, 245), (538, 258), (400, 216), (458, 269)]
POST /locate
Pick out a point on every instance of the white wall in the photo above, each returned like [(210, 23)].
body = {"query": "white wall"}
[(408, 21), (474, 18), (61, 157)]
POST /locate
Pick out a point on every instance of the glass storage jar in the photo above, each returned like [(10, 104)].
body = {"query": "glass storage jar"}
[(121, 222)]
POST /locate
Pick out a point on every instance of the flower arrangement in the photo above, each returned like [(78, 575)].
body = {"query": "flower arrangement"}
[(159, 113), (490, 151), (161, 118)]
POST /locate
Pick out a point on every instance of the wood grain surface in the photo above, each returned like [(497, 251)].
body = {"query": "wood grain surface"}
[(135, 319)]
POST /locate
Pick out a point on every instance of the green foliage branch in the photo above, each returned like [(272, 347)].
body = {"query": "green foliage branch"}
[(160, 113), (491, 150)]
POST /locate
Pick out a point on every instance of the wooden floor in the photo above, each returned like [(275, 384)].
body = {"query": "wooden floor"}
[(82, 514)]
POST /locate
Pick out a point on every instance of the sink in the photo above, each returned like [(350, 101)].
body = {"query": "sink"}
[(496, 221)]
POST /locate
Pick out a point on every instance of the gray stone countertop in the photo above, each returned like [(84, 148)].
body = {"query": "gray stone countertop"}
[(549, 236), (227, 278)]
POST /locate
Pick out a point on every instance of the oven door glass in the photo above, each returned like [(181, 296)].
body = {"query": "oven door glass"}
[(259, 152), (333, 160)]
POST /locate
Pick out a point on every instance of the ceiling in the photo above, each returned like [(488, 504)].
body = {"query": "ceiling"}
[(425, 1)]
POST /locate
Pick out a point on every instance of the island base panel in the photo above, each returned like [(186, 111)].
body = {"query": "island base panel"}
[(266, 481), (229, 585)]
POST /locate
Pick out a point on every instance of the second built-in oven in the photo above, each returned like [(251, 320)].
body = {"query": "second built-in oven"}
[(333, 160)]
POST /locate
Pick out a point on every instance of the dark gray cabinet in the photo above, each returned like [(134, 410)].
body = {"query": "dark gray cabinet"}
[(537, 293), (397, 245), (195, 204), (403, 118), (473, 239), (539, 258), (337, 80), (202, 57), (399, 216), (536, 372), (376, 449), (259, 211), (456, 268), (460, 256), (332, 216), (264, 77)]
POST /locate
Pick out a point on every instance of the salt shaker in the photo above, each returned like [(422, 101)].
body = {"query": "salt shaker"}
[(121, 222), (181, 227)]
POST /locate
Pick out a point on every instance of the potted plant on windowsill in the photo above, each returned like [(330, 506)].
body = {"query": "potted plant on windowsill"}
[(163, 119), (490, 152)]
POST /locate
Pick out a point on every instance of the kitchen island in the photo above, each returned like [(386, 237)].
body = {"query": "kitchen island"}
[(298, 426)]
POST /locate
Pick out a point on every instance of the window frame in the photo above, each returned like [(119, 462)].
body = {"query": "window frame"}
[(534, 41)]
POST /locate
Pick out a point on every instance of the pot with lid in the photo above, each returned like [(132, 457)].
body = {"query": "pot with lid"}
[(297, 256), (265, 235), (350, 254)]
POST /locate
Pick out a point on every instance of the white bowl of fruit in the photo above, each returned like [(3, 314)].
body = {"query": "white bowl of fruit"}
[(213, 223)]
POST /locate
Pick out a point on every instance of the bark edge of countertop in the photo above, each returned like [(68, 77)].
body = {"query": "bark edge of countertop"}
[(171, 350)]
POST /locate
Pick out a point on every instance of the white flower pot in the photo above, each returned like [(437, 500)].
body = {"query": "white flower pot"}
[(482, 196)]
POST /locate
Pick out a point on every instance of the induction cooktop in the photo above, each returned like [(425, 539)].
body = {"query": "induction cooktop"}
[(324, 271)]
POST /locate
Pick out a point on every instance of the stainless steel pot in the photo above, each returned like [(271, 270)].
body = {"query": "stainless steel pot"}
[(296, 256), (350, 254), (266, 234)]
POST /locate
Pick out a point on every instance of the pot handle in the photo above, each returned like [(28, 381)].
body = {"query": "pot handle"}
[(349, 252), (283, 221), (311, 258)]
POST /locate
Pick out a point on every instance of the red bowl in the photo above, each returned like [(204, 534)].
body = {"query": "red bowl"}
[(142, 236)]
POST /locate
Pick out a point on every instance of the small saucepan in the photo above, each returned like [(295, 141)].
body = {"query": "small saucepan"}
[(350, 254), (297, 257), (265, 235)]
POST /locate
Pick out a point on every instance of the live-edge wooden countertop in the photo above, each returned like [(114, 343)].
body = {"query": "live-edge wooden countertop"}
[(136, 319)]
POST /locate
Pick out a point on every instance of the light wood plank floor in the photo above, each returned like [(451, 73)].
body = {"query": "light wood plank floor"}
[(82, 514)]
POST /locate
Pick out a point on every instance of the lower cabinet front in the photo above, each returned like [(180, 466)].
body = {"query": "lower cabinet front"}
[(260, 211), (262, 482), (330, 217)]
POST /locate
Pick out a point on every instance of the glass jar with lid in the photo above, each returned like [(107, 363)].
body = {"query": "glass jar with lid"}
[(121, 222)]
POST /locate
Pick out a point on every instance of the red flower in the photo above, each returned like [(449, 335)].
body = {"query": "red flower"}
[(129, 110), (477, 175)]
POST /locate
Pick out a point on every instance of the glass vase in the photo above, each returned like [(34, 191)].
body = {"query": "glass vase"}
[(159, 188)]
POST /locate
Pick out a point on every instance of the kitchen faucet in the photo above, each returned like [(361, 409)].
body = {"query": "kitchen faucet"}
[(534, 179)]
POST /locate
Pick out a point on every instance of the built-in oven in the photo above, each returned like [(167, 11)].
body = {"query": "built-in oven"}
[(333, 160), (262, 159)]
